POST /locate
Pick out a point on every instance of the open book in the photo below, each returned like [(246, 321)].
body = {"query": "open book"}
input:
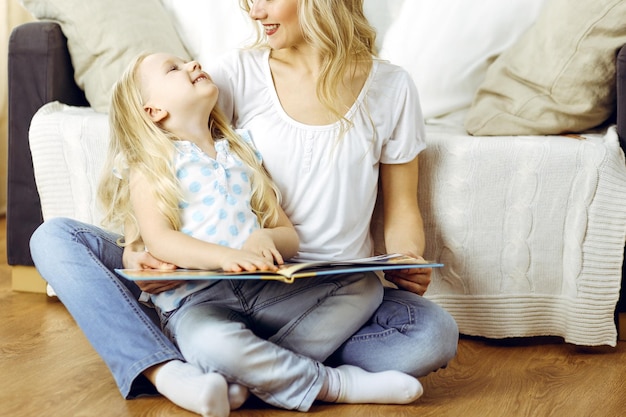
[(287, 272)]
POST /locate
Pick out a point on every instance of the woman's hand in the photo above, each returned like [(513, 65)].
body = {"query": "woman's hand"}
[(158, 286), (413, 280)]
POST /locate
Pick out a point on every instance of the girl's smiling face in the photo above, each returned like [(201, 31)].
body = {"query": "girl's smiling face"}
[(170, 84)]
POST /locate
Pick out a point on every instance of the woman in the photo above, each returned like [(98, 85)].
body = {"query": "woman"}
[(328, 90), (200, 198)]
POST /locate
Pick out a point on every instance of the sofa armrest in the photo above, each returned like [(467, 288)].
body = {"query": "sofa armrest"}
[(621, 97), (621, 132), (39, 71)]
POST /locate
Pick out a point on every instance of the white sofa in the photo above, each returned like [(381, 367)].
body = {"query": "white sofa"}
[(528, 214)]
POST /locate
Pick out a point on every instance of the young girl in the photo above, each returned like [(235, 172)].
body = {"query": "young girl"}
[(196, 193)]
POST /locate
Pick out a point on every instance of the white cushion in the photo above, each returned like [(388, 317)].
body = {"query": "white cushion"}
[(382, 15), (447, 45), (209, 28)]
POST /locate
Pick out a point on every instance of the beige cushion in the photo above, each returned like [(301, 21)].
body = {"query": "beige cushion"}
[(103, 36), (560, 75)]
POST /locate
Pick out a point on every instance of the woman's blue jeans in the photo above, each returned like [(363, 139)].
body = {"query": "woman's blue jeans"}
[(407, 333)]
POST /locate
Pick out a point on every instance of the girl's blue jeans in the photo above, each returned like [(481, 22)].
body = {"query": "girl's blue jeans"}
[(270, 336), (407, 332)]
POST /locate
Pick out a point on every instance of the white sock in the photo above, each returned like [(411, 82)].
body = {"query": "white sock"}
[(237, 395), (353, 385), (189, 388)]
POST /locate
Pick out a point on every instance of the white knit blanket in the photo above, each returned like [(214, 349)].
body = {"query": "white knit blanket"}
[(531, 229)]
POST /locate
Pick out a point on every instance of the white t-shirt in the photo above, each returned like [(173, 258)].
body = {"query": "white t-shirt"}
[(328, 185)]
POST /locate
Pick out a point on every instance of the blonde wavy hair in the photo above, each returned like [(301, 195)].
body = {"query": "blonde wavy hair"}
[(137, 143), (339, 30)]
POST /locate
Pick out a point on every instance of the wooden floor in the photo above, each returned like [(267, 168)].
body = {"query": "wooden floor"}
[(47, 368)]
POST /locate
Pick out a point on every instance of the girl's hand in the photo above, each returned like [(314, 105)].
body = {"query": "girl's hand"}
[(135, 259), (246, 260), (413, 280), (262, 244)]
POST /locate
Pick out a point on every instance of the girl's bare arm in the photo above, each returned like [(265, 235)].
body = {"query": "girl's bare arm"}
[(175, 247)]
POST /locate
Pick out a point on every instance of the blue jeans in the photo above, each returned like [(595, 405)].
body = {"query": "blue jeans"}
[(271, 336), (407, 332)]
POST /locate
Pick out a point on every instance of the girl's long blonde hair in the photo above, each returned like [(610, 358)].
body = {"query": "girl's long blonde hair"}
[(137, 143), (344, 37)]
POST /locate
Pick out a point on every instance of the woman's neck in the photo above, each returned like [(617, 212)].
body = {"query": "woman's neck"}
[(296, 72), (302, 58)]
